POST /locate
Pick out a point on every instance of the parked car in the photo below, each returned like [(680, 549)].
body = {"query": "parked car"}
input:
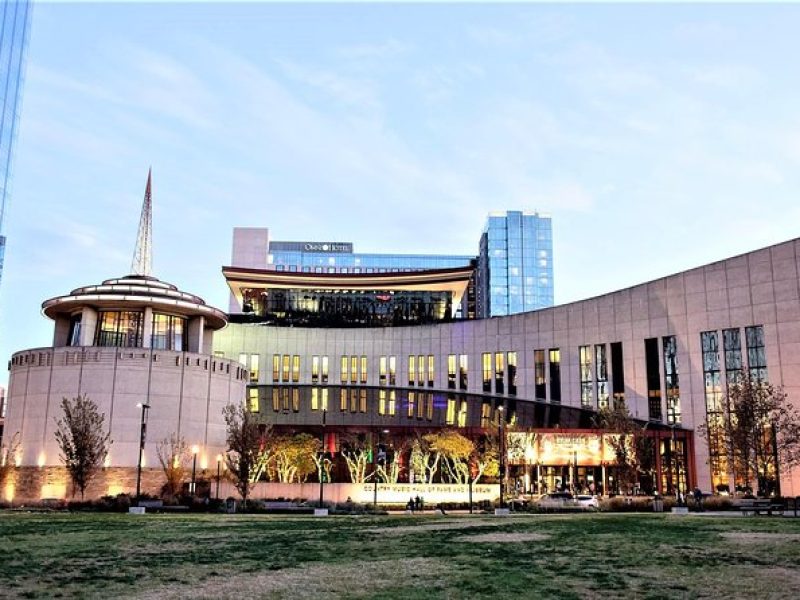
[(588, 501), (556, 500)]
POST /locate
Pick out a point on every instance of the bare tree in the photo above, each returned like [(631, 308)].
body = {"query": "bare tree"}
[(356, 451), (247, 446), (173, 454), (759, 426), (633, 451), (82, 439), (8, 455)]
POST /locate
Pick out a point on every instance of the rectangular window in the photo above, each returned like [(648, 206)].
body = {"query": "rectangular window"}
[(392, 370), (285, 368), (344, 370), (324, 369), (382, 371), (276, 400), (617, 374), (463, 375), (363, 372), (451, 371), (499, 372), (252, 399), (295, 368), (412, 369), (343, 399), (486, 360), (421, 370), (450, 418), (671, 380), (254, 372), (732, 344), (539, 389), (601, 375), (315, 369), (585, 363), (756, 352), (555, 375), (714, 410), (431, 370), (353, 369), (653, 379), (486, 414), (412, 397), (512, 373), (276, 368)]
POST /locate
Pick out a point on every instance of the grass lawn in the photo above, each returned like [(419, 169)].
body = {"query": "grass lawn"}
[(56, 555)]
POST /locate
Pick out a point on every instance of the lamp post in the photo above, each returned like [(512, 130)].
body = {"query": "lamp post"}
[(674, 464), (376, 458), (219, 464), (322, 456), (193, 485), (501, 443), (142, 436)]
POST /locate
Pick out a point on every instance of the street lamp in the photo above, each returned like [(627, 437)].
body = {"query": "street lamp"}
[(322, 455), (195, 450), (500, 425), (142, 436), (219, 464), (377, 458)]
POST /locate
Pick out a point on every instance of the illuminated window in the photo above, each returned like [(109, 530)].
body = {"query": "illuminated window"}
[(412, 370), (295, 368), (431, 370), (451, 371), (421, 370), (353, 369), (512, 373), (363, 369), (486, 359), (382, 371), (555, 375), (585, 363), (276, 368), (252, 394), (344, 370), (462, 371), (324, 369), (315, 369), (499, 372), (285, 368), (412, 396), (450, 417), (540, 383), (392, 370)]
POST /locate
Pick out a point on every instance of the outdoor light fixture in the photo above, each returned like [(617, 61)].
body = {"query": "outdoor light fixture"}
[(501, 422), (219, 464), (193, 485)]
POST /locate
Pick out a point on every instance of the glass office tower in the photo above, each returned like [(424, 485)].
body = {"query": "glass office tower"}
[(16, 18), (515, 264)]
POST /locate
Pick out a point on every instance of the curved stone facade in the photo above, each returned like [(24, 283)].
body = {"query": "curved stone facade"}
[(756, 293)]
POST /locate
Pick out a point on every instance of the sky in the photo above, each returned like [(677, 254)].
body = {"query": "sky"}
[(658, 137)]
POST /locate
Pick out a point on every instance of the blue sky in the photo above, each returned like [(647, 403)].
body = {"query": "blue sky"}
[(658, 137)]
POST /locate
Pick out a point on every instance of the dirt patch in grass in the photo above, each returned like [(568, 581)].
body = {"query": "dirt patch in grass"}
[(503, 538), (438, 526), (324, 580), (760, 536)]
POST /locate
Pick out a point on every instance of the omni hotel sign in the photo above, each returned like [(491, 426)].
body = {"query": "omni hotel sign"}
[(329, 247), (318, 247)]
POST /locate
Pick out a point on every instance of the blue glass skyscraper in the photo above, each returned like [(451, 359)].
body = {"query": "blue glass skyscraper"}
[(515, 264), (16, 18)]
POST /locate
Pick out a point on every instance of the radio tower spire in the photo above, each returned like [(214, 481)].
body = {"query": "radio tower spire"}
[(143, 253)]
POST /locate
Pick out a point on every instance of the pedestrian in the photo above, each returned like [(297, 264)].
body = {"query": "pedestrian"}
[(410, 505), (418, 503), (698, 498)]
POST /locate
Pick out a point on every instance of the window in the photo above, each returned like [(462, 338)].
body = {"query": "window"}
[(363, 370), (74, 336), (392, 370), (344, 370), (412, 396), (451, 371), (617, 374), (412, 369), (431, 370), (276, 367), (122, 329), (285, 368), (538, 374), (555, 375), (353, 369), (671, 380), (324, 369), (585, 363), (315, 369), (756, 352), (499, 372), (512, 373), (382, 371), (252, 399), (421, 370), (653, 379), (601, 375), (167, 332), (295, 368), (732, 344), (254, 371), (486, 360), (714, 410), (463, 371)]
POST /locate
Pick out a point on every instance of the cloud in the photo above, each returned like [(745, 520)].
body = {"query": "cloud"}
[(734, 77), (343, 89), (391, 48)]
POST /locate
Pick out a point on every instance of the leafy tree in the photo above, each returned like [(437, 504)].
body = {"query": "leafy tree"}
[(82, 440), (634, 452), (247, 454), (8, 454), (453, 451), (356, 452), (294, 456), (756, 417), (390, 471), (424, 460), (173, 454)]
